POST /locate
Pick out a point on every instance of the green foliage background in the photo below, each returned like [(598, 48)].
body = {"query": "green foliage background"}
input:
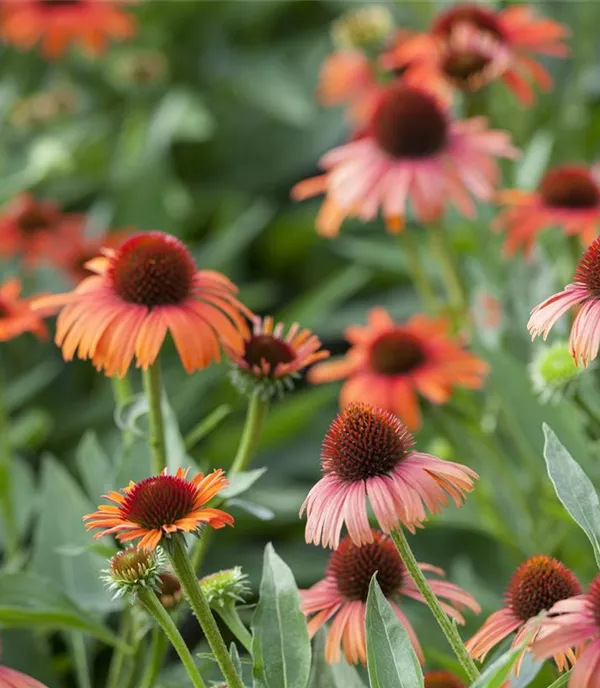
[(209, 153)]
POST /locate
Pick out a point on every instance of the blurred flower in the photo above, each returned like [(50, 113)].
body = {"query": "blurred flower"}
[(367, 452), (134, 568), (26, 225), (56, 24), (142, 290), (487, 311), (364, 28), (536, 586), (224, 588), (10, 678), (270, 361), (572, 623), (159, 506), (584, 290), (466, 59), (387, 364), (568, 197), (554, 372), (442, 679), (169, 590), (44, 107), (16, 316), (140, 67), (342, 595), (411, 148), (517, 30)]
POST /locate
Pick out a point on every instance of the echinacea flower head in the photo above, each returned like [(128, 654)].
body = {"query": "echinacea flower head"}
[(169, 590), (574, 623), (411, 148), (442, 679), (584, 291), (536, 586), (25, 226), (554, 373), (16, 316), (516, 30), (11, 678), (147, 287), (272, 360), (156, 508), (388, 364), (133, 569), (568, 197), (342, 595), (57, 24), (225, 588), (368, 452)]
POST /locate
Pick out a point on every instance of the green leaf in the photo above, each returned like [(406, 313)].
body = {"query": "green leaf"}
[(235, 658), (206, 426), (391, 660), (561, 681), (324, 675), (573, 488), (241, 482), (30, 600), (280, 644), (528, 671), (95, 468)]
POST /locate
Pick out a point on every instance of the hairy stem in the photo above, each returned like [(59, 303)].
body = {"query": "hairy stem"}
[(153, 391)]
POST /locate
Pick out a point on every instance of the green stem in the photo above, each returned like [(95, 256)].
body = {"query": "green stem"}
[(255, 418), (449, 271), (182, 566), (153, 605), (157, 651), (82, 668), (6, 479), (232, 619), (118, 656), (122, 392), (153, 391), (445, 623), (418, 273)]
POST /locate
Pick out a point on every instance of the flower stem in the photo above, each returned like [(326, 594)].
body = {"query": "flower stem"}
[(122, 392), (117, 660), (157, 651), (6, 481), (231, 617), (445, 623), (153, 605), (449, 270), (182, 566), (255, 418), (419, 275), (153, 390)]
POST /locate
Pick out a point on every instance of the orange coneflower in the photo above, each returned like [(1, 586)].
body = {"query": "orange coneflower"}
[(567, 197), (271, 360), (537, 585), (160, 506), (516, 30), (56, 24), (389, 363), (11, 678), (147, 287), (16, 316), (342, 595)]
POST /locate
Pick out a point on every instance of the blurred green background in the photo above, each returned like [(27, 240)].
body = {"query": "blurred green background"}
[(199, 126)]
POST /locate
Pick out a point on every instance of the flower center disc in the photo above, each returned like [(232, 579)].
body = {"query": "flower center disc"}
[(588, 270), (268, 348), (409, 124), (538, 584), (129, 560), (353, 567), (570, 188), (34, 220), (158, 501), (442, 679), (59, 3), (396, 353), (462, 67), (364, 442), (466, 13), (153, 269)]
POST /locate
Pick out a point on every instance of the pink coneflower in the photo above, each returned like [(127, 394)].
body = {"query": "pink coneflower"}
[(572, 623), (517, 30), (342, 595), (411, 148), (568, 197), (11, 678), (585, 290), (367, 452), (537, 585)]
